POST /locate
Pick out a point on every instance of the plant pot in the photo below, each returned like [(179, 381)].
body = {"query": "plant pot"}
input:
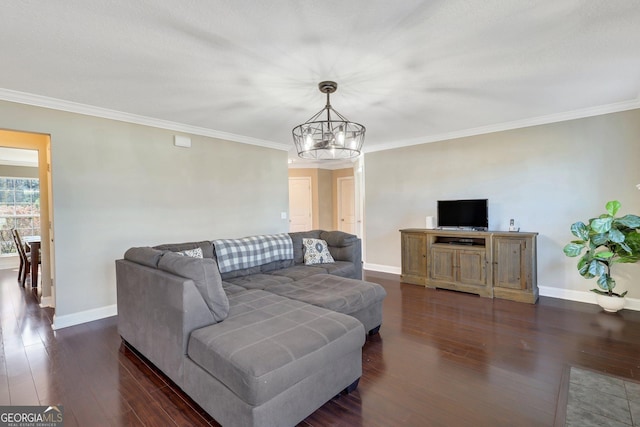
[(610, 304)]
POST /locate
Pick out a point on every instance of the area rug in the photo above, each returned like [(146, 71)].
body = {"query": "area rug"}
[(588, 398)]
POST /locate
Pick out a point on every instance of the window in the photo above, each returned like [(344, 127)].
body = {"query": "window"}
[(19, 208)]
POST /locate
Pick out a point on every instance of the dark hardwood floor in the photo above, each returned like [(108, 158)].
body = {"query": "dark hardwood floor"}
[(441, 359)]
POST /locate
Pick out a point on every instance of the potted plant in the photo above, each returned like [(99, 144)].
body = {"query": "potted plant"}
[(608, 240)]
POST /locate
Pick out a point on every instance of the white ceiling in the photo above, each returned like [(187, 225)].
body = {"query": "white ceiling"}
[(410, 71)]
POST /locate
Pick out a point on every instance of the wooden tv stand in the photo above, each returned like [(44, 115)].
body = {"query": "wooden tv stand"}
[(494, 264)]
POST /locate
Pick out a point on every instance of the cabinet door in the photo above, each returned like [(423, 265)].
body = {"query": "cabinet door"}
[(472, 267), (443, 264), (414, 255), (509, 263)]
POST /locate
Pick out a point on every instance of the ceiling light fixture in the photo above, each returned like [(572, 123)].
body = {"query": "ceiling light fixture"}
[(327, 139)]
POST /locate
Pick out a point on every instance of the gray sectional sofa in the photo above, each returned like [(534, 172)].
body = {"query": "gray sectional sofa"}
[(255, 340)]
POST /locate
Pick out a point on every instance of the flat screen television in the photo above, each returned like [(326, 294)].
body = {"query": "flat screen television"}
[(472, 214)]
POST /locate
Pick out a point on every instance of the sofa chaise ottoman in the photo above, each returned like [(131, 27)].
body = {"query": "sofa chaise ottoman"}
[(273, 361)]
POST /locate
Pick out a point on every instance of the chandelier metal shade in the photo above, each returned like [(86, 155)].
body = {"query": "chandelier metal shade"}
[(328, 135)]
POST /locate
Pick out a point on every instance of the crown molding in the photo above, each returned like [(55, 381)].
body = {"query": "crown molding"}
[(517, 124), (104, 113), (89, 110)]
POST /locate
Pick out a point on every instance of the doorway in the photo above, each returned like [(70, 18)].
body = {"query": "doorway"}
[(346, 205), (41, 144), (300, 206)]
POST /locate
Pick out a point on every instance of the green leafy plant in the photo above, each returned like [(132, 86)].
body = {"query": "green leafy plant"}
[(608, 240)]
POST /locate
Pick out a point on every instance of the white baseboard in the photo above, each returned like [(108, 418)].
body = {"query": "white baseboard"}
[(49, 301), (568, 294), (545, 291), (65, 321), (382, 268), (9, 262), (582, 296)]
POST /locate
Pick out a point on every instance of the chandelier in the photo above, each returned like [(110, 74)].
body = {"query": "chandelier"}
[(328, 134)]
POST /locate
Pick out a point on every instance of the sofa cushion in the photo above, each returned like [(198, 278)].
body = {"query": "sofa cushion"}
[(230, 288), (298, 247), (258, 281), (204, 273), (205, 245), (338, 239), (276, 265), (316, 252), (264, 268), (298, 272), (340, 268), (239, 273), (269, 343), (332, 292), (144, 255)]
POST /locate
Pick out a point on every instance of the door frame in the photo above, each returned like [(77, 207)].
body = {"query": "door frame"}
[(309, 181), (339, 200), (41, 143)]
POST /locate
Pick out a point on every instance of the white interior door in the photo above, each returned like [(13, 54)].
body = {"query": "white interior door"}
[(346, 205), (300, 218)]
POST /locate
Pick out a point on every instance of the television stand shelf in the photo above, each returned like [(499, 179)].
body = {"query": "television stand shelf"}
[(493, 264)]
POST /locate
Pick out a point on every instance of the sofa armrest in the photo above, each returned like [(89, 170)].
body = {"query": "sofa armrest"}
[(345, 247), (157, 311)]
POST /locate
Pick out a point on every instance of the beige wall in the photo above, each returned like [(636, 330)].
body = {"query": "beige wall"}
[(545, 177), (116, 185)]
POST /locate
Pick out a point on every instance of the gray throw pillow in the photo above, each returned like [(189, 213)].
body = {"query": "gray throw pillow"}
[(204, 273), (338, 239), (298, 246), (205, 245)]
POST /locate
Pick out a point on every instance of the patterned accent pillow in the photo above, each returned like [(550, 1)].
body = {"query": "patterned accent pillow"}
[(316, 252), (193, 253)]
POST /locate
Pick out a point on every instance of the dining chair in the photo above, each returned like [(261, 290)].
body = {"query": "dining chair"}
[(25, 259), (15, 242)]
